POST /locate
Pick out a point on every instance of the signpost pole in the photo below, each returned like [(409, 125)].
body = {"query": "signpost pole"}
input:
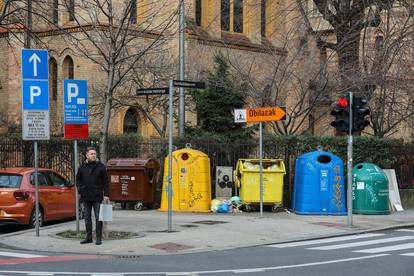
[(36, 190), (350, 142), (261, 166), (170, 144), (75, 152)]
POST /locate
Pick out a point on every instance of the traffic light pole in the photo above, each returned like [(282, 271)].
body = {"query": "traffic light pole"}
[(349, 169)]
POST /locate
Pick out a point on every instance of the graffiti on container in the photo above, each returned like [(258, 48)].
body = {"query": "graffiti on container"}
[(192, 198), (337, 196), (372, 194)]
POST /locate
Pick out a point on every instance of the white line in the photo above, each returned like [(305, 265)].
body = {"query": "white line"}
[(249, 270), (310, 242), (408, 254), (41, 274), (387, 248), (19, 255), (363, 243), (213, 271), (404, 230)]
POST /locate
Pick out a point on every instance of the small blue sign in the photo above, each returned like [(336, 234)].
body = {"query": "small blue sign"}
[(75, 101), (35, 64), (35, 95)]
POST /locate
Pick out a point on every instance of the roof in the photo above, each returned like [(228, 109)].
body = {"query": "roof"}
[(20, 170)]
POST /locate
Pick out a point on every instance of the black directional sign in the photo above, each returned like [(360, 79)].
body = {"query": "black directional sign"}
[(152, 91), (189, 84)]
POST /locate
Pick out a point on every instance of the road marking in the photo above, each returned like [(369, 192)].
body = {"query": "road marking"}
[(208, 271), (41, 274), (356, 244), (387, 248), (405, 230), (249, 270), (408, 254), (46, 259), (318, 241), (19, 255)]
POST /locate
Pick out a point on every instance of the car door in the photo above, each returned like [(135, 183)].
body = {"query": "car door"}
[(47, 195), (65, 205)]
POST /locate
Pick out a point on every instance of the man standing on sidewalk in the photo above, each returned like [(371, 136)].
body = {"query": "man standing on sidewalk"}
[(92, 184)]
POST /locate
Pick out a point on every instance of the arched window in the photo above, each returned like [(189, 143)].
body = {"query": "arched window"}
[(71, 10), (379, 42), (232, 9), (55, 11), (198, 12), (130, 121), (53, 78), (68, 68), (133, 12)]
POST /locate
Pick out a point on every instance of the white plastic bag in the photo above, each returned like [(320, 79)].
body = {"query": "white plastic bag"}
[(105, 212)]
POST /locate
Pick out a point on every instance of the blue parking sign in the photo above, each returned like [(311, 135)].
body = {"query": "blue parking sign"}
[(35, 95), (75, 101), (35, 64)]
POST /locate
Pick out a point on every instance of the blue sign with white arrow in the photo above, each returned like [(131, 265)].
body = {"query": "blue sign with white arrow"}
[(35, 64), (75, 101)]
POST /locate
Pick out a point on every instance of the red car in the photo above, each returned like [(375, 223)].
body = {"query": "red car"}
[(17, 196)]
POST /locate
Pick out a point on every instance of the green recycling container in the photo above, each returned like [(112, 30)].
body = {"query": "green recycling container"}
[(369, 190)]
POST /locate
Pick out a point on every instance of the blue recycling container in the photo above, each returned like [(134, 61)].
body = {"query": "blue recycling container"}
[(319, 185)]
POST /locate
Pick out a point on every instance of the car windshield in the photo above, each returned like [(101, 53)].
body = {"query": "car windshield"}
[(10, 180)]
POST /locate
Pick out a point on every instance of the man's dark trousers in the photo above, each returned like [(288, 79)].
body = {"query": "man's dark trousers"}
[(88, 219)]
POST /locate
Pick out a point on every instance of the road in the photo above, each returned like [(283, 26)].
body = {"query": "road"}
[(370, 254)]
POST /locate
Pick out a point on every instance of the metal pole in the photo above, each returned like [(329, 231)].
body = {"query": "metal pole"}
[(29, 23), (36, 190), (170, 144), (75, 152), (181, 111), (349, 168), (261, 167)]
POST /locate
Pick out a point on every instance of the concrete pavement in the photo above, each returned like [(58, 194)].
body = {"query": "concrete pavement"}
[(198, 232)]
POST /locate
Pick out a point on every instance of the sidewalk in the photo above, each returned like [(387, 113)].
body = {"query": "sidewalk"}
[(193, 233)]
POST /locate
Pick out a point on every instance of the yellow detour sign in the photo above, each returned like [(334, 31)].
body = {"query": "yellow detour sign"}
[(265, 114)]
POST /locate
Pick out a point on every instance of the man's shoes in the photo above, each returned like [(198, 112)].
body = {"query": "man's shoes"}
[(86, 241), (98, 242)]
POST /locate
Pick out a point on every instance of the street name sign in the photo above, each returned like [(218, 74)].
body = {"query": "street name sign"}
[(152, 91), (35, 95), (189, 84), (259, 114), (75, 108)]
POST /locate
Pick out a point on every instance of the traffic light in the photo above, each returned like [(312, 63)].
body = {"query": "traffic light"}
[(359, 112), (341, 113)]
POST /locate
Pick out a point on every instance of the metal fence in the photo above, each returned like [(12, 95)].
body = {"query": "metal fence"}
[(58, 155)]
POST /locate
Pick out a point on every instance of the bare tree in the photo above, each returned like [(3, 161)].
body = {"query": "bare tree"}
[(110, 37)]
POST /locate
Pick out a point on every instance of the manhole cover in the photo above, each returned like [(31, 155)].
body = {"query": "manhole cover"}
[(189, 225), (210, 222), (170, 246)]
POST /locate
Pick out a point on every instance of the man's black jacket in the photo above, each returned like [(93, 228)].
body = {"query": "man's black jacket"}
[(92, 181)]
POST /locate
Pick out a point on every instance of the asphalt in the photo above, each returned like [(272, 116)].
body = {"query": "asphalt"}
[(200, 232)]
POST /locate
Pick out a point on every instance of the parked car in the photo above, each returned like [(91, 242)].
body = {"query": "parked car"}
[(17, 196)]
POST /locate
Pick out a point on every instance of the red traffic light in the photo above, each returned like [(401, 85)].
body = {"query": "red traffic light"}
[(343, 102)]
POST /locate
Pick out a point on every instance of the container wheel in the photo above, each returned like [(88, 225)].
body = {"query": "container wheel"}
[(138, 206), (248, 208), (276, 208)]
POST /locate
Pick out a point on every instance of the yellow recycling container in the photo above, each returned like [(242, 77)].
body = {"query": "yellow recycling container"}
[(247, 179), (191, 182)]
